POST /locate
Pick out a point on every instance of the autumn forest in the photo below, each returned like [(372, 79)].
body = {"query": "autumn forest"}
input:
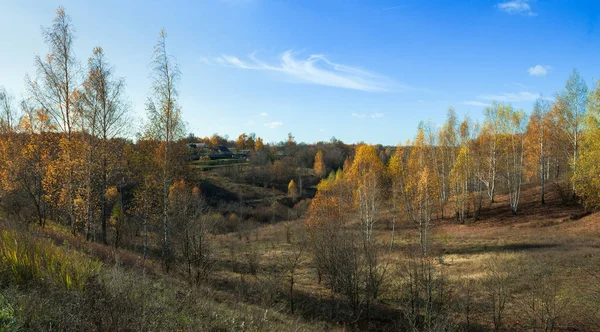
[(472, 225)]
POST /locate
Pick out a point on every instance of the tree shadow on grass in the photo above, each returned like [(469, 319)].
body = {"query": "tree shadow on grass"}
[(480, 249)]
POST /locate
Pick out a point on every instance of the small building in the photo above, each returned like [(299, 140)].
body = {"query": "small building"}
[(220, 152), (196, 145)]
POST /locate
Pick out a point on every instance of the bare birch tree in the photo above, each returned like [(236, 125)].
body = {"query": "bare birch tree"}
[(106, 114), (165, 124), (54, 88), (8, 117)]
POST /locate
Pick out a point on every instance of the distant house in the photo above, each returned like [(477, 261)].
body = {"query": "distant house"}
[(196, 145), (220, 152), (280, 155), (243, 154)]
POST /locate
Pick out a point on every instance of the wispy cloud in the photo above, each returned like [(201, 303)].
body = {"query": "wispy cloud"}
[(476, 103), (511, 97), (376, 115), (264, 114), (394, 7), (274, 124), (205, 60), (519, 7), (237, 2), (539, 70), (314, 69)]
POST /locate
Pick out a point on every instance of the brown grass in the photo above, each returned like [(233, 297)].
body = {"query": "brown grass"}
[(249, 274)]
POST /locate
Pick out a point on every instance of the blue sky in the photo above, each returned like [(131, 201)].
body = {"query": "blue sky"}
[(357, 70)]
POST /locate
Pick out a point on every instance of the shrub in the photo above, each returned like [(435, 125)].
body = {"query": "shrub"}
[(500, 275), (302, 207)]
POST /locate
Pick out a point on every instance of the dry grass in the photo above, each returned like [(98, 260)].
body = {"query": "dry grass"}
[(554, 245), (555, 234)]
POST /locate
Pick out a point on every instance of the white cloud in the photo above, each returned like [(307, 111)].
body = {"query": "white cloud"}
[(377, 115), (520, 7), (357, 115), (315, 69), (476, 103), (274, 124), (539, 70), (511, 97), (264, 114)]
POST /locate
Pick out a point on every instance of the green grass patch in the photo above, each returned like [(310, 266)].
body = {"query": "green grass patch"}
[(26, 260), (217, 162)]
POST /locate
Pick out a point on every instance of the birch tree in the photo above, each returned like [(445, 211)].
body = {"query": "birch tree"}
[(459, 178), (165, 124), (8, 117), (587, 176), (448, 142), (53, 91), (490, 142), (106, 114), (415, 179), (513, 134), (365, 175), (571, 110), (538, 135)]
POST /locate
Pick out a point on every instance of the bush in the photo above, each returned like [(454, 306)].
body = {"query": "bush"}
[(498, 285), (302, 207)]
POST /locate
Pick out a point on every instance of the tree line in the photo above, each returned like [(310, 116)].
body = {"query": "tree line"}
[(455, 170)]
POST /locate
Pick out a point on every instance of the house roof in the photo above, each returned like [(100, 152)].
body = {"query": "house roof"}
[(221, 148), (197, 145)]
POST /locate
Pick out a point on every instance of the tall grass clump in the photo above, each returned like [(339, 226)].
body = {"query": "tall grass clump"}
[(25, 260)]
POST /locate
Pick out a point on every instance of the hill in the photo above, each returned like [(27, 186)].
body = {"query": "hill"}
[(545, 256)]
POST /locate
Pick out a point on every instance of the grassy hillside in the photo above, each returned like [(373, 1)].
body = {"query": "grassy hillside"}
[(543, 262), (51, 281)]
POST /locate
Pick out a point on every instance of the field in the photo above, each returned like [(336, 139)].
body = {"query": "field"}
[(549, 253), (218, 163)]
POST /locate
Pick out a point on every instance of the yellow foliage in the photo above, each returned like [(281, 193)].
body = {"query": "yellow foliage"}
[(331, 204), (178, 191), (259, 145), (111, 194), (365, 174), (587, 175), (319, 167), (293, 190)]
